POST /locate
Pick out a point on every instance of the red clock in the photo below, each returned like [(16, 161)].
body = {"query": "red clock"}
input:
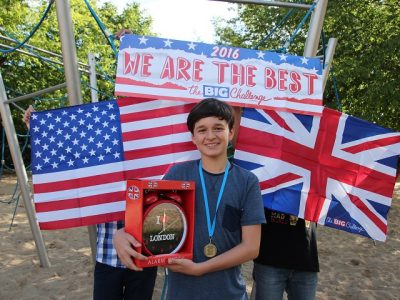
[(164, 226)]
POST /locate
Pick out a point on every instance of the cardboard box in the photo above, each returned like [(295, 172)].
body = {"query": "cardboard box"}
[(142, 196)]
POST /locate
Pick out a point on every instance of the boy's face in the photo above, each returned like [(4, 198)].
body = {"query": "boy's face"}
[(211, 136)]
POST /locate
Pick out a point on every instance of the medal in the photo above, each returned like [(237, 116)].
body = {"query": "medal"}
[(210, 250)]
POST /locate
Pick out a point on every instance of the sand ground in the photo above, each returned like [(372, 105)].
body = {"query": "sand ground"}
[(352, 267)]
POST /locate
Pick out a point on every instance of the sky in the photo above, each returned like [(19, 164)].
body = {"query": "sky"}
[(188, 20)]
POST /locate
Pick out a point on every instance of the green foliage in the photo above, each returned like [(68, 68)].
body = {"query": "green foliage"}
[(367, 58), (23, 74), (254, 22)]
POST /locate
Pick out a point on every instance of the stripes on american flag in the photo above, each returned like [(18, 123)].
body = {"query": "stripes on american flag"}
[(82, 155)]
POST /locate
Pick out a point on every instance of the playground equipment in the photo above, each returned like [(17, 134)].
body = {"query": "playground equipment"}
[(72, 83)]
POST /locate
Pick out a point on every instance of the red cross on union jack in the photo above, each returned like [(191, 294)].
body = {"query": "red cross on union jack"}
[(336, 169)]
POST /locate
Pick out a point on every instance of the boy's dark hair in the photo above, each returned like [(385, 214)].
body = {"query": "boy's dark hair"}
[(211, 107)]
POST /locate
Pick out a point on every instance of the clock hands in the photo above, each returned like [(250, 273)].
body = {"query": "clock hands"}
[(163, 221), (169, 225)]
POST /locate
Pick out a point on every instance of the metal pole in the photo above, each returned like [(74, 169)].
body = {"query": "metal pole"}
[(71, 73), (330, 51), (269, 3), (69, 52), (92, 230), (38, 93), (93, 81), (22, 175), (314, 31)]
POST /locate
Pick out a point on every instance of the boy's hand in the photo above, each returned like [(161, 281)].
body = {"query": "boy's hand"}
[(27, 115), (185, 266), (124, 243)]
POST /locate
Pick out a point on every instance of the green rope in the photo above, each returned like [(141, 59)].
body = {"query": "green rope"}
[(296, 31), (31, 33), (291, 11), (104, 74), (108, 36)]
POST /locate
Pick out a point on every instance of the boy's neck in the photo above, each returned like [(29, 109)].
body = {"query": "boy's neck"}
[(215, 166)]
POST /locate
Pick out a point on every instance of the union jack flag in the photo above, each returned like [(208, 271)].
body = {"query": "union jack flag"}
[(333, 169), (82, 156)]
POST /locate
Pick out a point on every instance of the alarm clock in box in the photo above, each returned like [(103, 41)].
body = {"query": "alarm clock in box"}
[(160, 215)]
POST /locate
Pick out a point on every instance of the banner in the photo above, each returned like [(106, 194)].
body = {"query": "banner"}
[(336, 169), (157, 68)]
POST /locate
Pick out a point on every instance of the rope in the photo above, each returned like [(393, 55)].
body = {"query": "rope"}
[(323, 48), (106, 33), (335, 89), (15, 209), (36, 54), (13, 198), (100, 92), (104, 74), (288, 42), (31, 33), (3, 143), (3, 149), (275, 28)]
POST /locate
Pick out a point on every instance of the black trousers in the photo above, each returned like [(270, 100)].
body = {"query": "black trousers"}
[(116, 283)]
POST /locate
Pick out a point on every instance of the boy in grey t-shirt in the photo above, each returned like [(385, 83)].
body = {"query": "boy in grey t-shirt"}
[(228, 213)]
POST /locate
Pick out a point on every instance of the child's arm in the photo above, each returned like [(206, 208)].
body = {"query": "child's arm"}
[(247, 250)]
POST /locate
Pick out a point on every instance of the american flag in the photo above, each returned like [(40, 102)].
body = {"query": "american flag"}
[(336, 169), (82, 156)]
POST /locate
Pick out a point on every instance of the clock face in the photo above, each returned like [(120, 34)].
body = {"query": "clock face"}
[(164, 228)]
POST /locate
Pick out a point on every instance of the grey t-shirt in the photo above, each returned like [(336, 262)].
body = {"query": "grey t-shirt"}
[(241, 205)]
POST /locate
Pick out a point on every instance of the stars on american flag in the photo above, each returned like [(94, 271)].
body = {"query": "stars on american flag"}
[(75, 137)]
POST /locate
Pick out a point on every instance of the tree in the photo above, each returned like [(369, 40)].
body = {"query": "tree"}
[(23, 74), (367, 58)]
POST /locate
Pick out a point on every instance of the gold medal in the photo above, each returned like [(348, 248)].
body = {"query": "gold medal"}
[(210, 250)]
